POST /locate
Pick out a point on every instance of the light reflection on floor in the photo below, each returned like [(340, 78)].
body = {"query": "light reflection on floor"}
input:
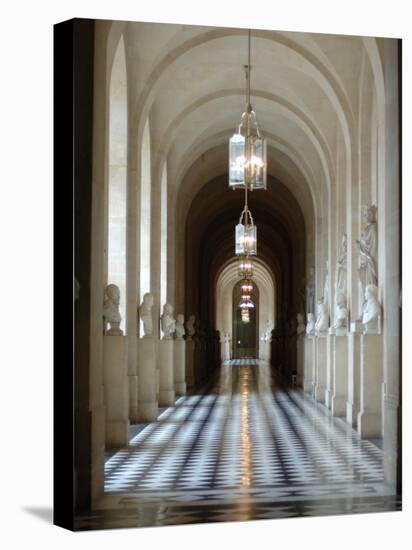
[(243, 450)]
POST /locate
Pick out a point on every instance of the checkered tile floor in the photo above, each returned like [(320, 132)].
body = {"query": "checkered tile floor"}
[(241, 442)]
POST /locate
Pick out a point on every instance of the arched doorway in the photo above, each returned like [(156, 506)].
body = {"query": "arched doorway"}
[(245, 340)]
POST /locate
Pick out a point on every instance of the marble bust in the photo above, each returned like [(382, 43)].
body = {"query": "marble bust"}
[(371, 309), (180, 328), (310, 325), (301, 324), (111, 311), (322, 322), (145, 312), (268, 331), (341, 312), (168, 322), (190, 327)]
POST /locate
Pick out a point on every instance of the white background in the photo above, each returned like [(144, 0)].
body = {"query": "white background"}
[(26, 324)]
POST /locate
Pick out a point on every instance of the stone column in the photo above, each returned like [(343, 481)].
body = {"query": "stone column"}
[(147, 404), (370, 414), (179, 366), (339, 371), (190, 357), (133, 271), (391, 276), (354, 354), (116, 390), (309, 361), (166, 378), (320, 367)]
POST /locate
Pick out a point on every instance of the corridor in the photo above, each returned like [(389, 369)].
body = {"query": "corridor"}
[(243, 448)]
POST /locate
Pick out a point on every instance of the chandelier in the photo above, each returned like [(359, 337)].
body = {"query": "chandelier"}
[(247, 147)]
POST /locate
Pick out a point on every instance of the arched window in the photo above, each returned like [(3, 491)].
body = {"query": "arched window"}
[(145, 217), (116, 255), (163, 238)]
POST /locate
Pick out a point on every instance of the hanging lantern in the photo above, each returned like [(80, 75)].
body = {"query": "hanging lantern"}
[(245, 315), (247, 147), (247, 154), (245, 268), (246, 304), (246, 234), (246, 286), (245, 297)]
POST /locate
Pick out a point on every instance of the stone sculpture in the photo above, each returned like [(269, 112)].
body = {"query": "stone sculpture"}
[(268, 332), (301, 324), (145, 312), (322, 322), (310, 325), (341, 312), (168, 322), (111, 311), (367, 247), (180, 327), (190, 328), (310, 291), (371, 309), (341, 267)]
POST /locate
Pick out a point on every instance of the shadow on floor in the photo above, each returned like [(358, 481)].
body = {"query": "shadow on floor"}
[(45, 514)]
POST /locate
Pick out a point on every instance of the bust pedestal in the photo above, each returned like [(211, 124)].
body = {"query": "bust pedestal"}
[(226, 350), (339, 344), (190, 354), (309, 363), (147, 406), (320, 367), (329, 373), (300, 342), (166, 375), (179, 366), (354, 354), (370, 414), (116, 390)]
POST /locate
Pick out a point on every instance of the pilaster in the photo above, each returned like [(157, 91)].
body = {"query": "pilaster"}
[(116, 390)]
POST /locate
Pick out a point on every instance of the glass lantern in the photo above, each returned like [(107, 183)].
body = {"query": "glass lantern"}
[(245, 315), (246, 286), (247, 155), (246, 304), (245, 239), (245, 268), (237, 159)]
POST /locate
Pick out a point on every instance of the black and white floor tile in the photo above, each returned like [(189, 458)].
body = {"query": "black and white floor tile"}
[(243, 450)]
